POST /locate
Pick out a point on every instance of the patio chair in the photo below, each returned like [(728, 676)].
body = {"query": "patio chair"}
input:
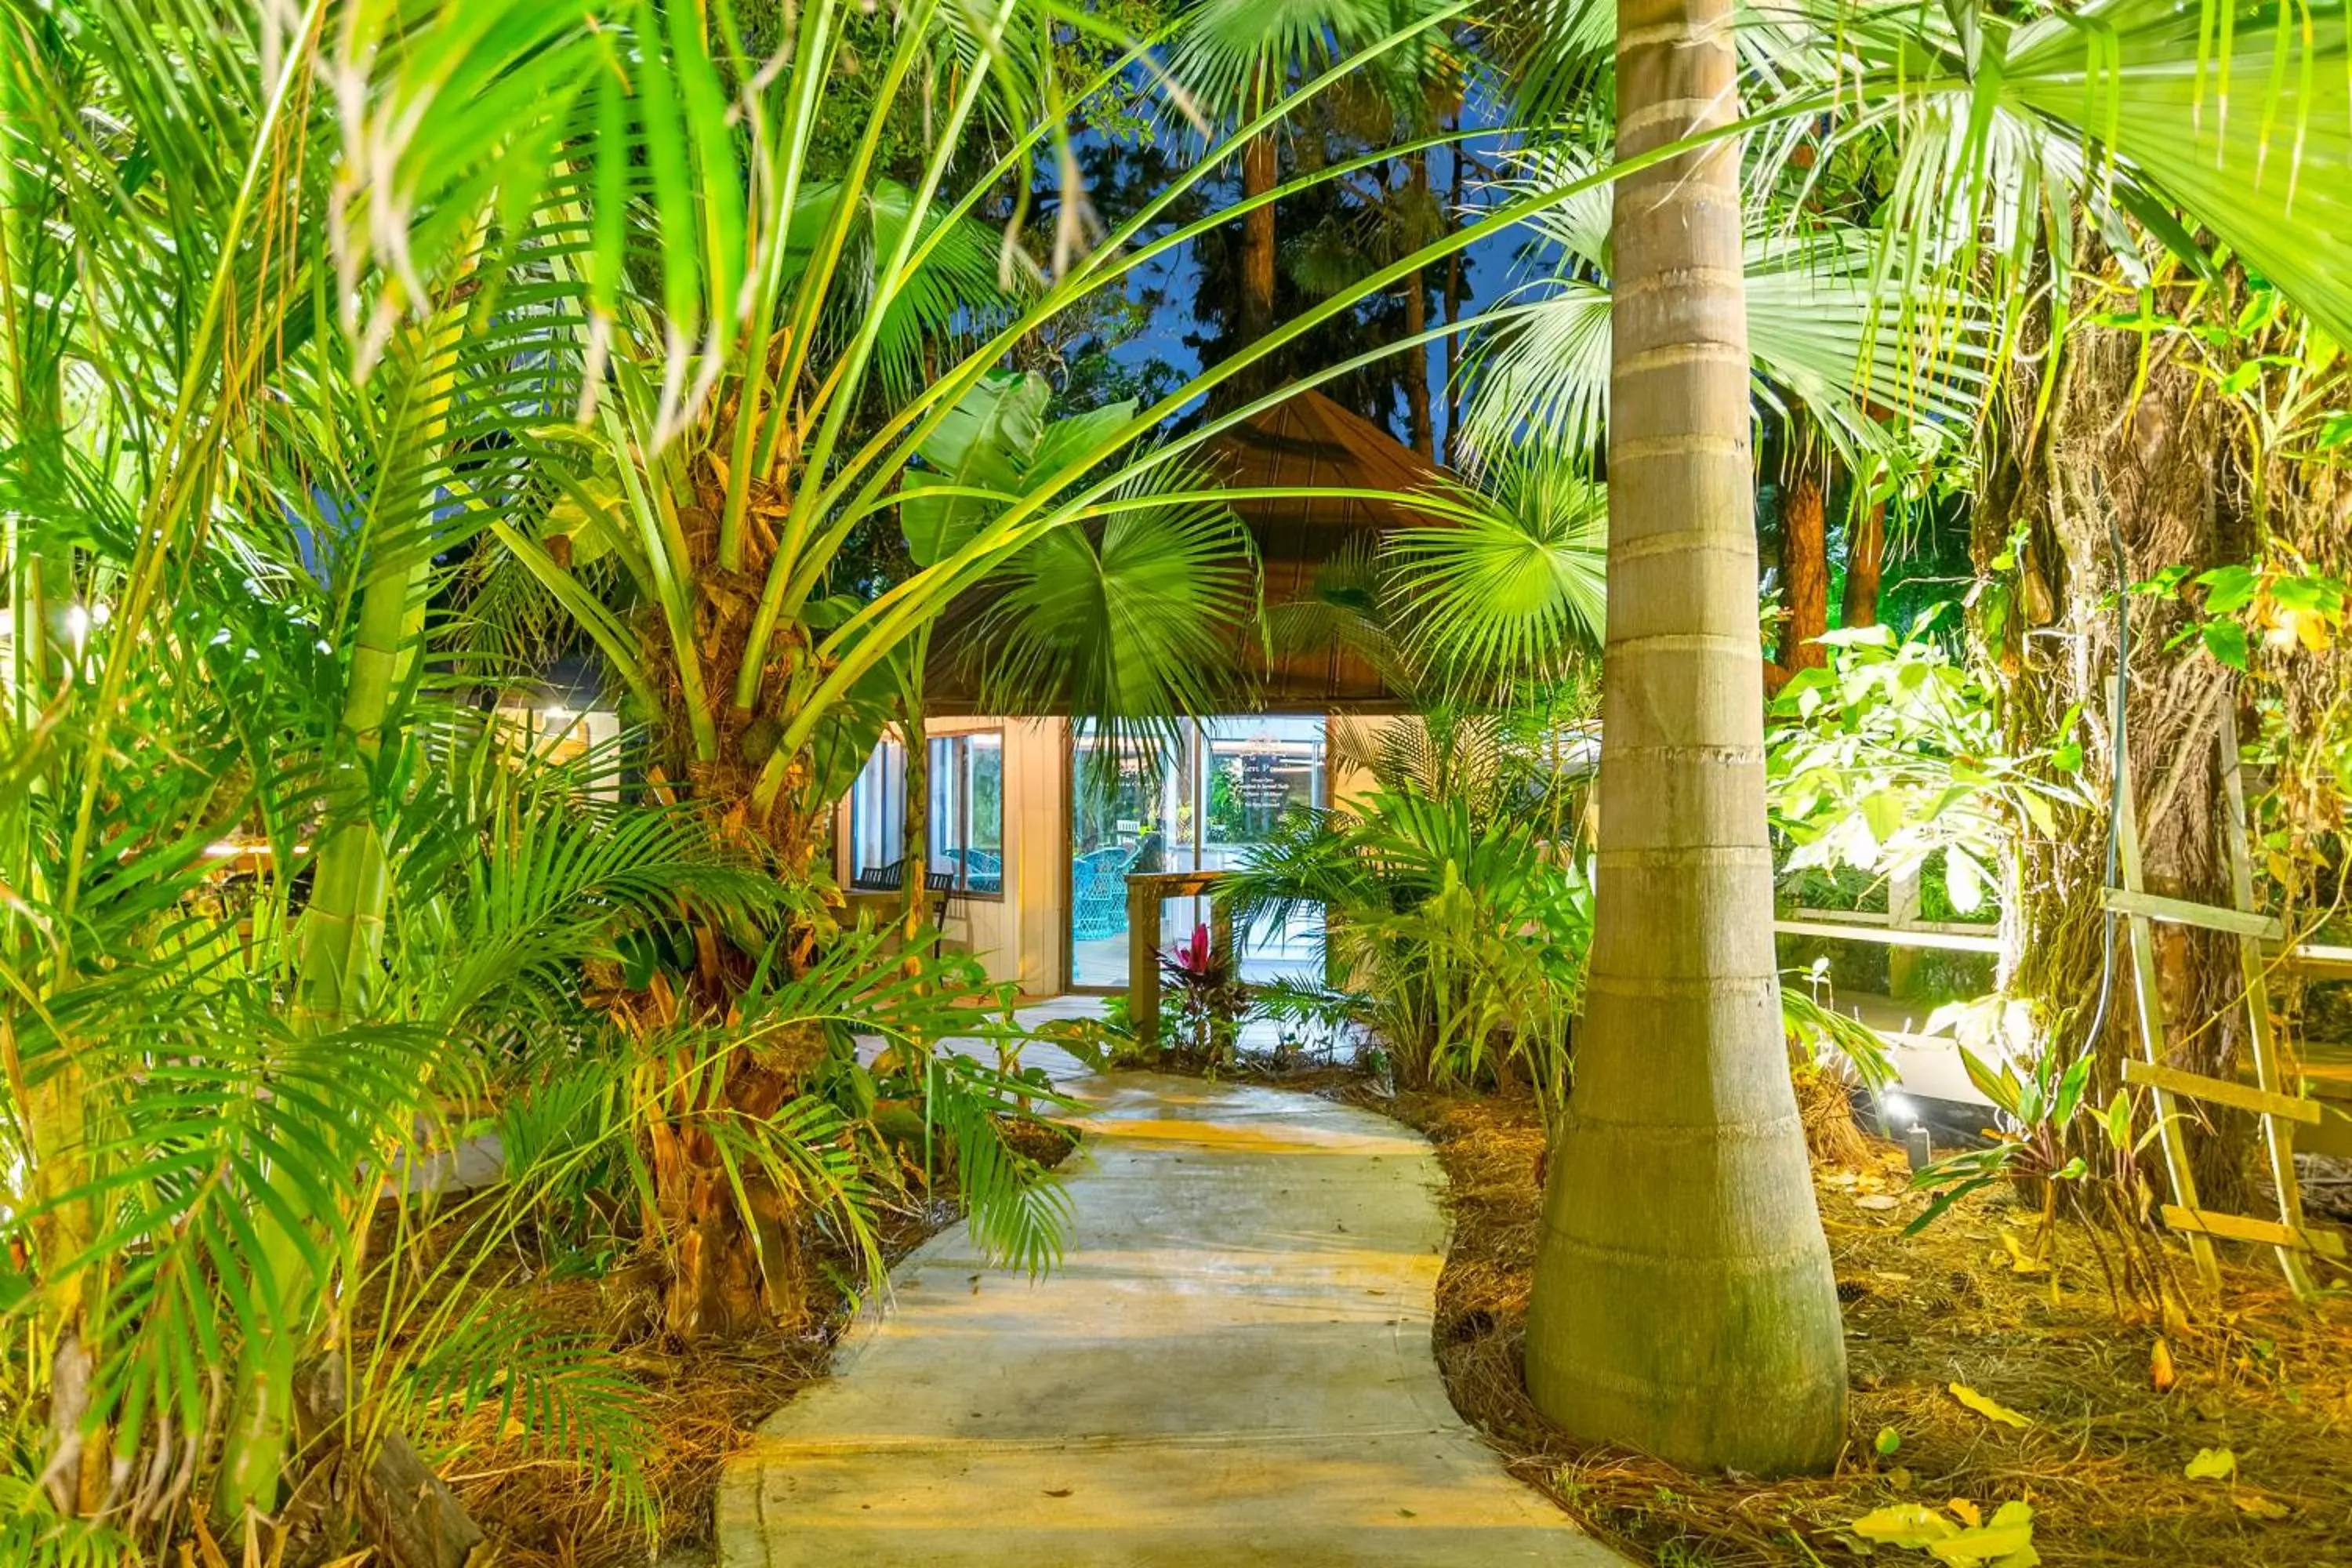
[(1099, 893), (942, 887), (983, 872)]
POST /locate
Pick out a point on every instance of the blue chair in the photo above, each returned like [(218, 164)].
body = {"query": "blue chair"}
[(983, 872), (1099, 893)]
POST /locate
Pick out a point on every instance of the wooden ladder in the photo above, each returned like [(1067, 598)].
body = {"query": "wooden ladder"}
[(2268, 1097)]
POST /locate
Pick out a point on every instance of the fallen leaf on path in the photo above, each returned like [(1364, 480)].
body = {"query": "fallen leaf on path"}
[(2261, 1506), (1991, 1409), (1877, 1201), (2212, 1465), (2159, 1367), (1967, 1512), (2020, 1260)]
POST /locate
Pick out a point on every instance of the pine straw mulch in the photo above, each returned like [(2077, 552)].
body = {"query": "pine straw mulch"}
[(2101, 1463), (701, 1403)]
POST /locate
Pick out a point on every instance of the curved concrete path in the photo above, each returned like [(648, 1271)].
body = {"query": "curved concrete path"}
[(1231, 1366)]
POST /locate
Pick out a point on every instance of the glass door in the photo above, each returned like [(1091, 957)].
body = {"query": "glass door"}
[(1253, 770), (1197, 805)]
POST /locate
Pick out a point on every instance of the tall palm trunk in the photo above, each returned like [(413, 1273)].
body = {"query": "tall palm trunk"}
[(1804, 571), (1416, 322), (1865, 563), (1448, 219), (735, 1234), (342, 925), (1684, 1301), (1259, 172)]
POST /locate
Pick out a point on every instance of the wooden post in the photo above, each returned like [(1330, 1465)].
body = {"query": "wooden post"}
[(1902, 912), (2150, 1006), (2278, 1134), (1143, 959)]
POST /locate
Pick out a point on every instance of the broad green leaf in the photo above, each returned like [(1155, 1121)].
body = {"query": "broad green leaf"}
[(1883, 812), (2226, 641), (2228, 589), (989, 442)]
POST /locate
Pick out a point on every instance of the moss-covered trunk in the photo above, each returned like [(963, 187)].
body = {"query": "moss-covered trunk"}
[(2156, 475)]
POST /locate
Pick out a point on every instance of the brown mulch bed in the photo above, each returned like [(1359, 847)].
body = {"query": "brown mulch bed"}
[(2101, 1462)]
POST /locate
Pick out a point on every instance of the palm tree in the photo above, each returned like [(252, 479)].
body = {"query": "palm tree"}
[(2204, 125), (1235, 60), (1684, 1301), (1679, 1183), (817, 363)]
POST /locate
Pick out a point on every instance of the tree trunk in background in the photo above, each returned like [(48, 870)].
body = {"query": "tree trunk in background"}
[(1683, 1300), (1451, 215), (2151, 464), (915, 854), (1258, 175), (1865, 561), (1416, 322), (1804, 573)]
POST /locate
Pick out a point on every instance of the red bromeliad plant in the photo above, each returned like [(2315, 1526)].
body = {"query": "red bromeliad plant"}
[(1209, 995)]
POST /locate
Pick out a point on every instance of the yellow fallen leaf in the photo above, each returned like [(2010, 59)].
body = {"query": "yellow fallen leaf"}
[(2259, 1506), (2212, 1465), (1991, 1409), (1910, 1524), (1967, 1512), (2159, 1366), (2020, 1260), (2006, 1542)]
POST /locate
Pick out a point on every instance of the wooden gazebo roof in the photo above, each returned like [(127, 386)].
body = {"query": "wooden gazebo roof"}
[(1307, 439)]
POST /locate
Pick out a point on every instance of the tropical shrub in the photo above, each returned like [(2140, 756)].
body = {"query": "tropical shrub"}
[(1207, 999), (1455, 918), (1894, 753)]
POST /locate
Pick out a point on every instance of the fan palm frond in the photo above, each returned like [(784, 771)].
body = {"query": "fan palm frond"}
[(1516, 587)]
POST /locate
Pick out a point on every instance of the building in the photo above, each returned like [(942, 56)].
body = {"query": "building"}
[(1037, 833)]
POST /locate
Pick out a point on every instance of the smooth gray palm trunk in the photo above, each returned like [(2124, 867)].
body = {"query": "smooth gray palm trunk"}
[(1684, 1302)]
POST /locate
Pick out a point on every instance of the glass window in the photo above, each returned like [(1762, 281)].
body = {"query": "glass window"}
[(967, 815), (1201, 805), (878, 817)]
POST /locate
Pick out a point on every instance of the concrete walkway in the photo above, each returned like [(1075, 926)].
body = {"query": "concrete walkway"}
[(1231, 1366)]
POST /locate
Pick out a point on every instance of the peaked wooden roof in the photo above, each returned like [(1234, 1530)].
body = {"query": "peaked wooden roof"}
[(1307, 439)]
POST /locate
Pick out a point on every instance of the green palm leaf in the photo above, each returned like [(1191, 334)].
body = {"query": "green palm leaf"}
[(1516, 587)]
